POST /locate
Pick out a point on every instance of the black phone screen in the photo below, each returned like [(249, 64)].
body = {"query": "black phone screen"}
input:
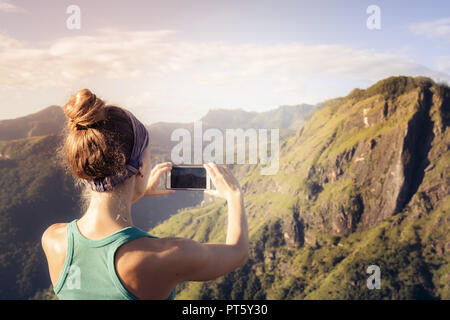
[(181, 177)]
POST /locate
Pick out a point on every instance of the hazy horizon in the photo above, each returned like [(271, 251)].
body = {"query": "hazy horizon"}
[(162, 121)]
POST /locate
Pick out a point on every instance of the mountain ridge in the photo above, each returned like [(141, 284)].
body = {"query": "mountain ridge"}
[(50, 120)]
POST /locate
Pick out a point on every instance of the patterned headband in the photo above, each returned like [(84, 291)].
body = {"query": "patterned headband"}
[(141, 141)]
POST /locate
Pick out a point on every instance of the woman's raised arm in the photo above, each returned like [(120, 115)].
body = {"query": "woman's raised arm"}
[(189, 260)]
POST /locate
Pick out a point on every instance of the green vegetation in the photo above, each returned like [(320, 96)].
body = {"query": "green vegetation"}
[(392, 87), (335, 184), (34, 193), (335, 267)]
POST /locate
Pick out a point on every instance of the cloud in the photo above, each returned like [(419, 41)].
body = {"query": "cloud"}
[(120, 54), (158, 71), (437, 29), (9, 7), (109, 54)]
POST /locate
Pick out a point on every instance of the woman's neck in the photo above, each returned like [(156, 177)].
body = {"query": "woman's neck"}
[(108, 212)]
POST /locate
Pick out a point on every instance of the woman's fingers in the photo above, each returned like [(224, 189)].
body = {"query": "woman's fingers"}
[(218, 170), (211, 170), (155, 175), (162, 165), (223, 180), (223, 171)]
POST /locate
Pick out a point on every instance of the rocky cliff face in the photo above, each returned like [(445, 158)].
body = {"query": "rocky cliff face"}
[(365, 158)]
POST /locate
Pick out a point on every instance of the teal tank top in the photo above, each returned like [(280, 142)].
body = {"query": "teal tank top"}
[(89, 272)]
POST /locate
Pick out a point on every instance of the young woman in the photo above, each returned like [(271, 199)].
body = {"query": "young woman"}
[(102, 255)]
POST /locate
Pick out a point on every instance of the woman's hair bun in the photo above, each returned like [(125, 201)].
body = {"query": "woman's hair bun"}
[(84, 109), (99, 140)]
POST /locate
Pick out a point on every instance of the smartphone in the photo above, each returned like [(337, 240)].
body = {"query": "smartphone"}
[(188, 177)]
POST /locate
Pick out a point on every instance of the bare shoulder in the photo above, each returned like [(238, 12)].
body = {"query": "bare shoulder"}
[(145, 265), (54, 243), (54, 238), (157, 248), (165, 255)]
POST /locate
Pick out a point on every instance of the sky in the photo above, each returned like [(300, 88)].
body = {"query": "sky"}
[(173, 60)]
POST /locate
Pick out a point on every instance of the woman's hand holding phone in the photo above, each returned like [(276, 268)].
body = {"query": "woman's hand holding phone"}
[(156, 173), (227, 186)]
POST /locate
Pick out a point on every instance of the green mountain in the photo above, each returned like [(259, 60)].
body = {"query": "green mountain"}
[(363, 182), (35, 192), (48, 121)]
